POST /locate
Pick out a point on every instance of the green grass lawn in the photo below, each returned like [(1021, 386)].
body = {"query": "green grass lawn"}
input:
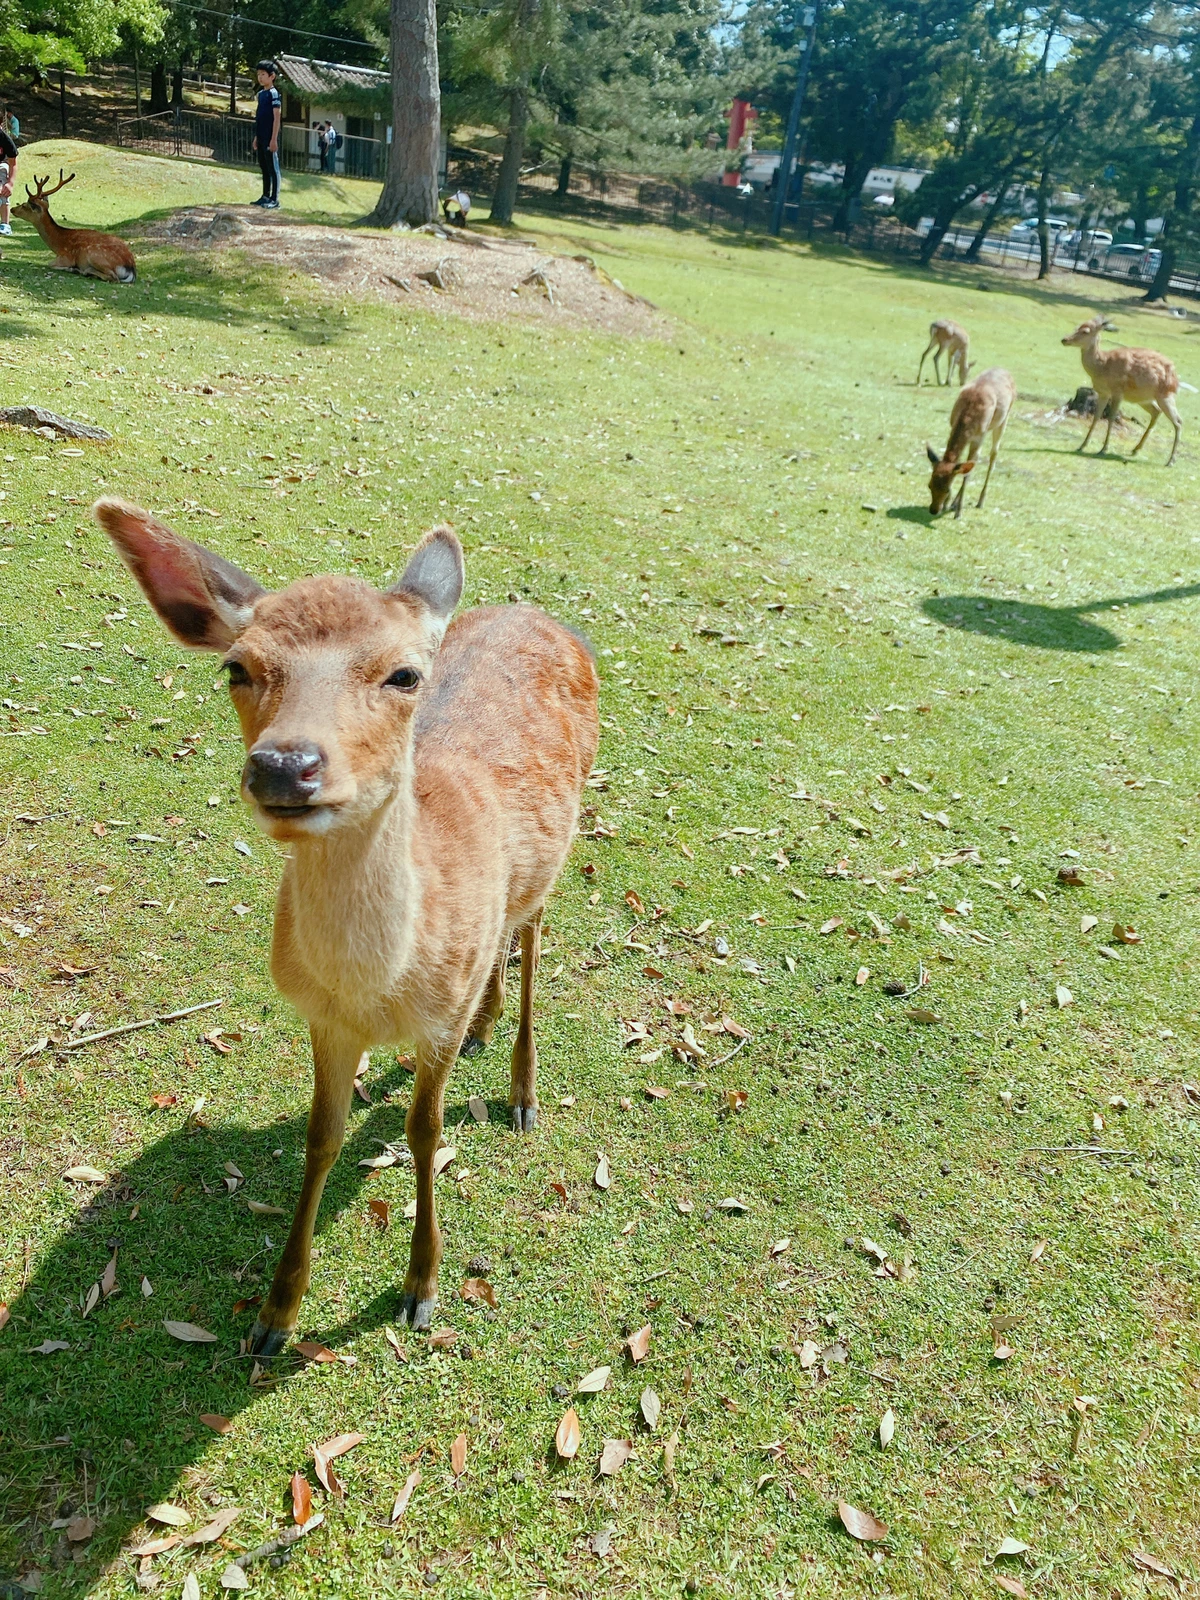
[(842, 746)]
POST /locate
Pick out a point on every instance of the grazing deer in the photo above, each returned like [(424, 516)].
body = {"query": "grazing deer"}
[(95, 255), (948, 339), (426, 780), (982, 407), (1142, 377)]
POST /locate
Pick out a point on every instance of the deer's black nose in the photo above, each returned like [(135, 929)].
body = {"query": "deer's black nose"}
[(290, 777)]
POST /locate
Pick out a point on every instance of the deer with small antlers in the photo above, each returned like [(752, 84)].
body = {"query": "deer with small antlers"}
[(947, 339), (981, 410), (83, 250), (1142, 377), (425, 776)]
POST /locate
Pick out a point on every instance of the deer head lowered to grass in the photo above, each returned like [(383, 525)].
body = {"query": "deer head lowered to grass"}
[(982, 407), (83, 250), (426, 777)]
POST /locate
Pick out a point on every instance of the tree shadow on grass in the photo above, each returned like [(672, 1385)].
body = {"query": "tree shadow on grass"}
[(107, 1426), (1045, 627)]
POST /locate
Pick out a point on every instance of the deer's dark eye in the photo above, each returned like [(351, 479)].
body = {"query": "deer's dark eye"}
[(404, 678), (238, 676)]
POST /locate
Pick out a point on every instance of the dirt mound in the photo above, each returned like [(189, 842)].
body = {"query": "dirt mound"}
[(454, 273)]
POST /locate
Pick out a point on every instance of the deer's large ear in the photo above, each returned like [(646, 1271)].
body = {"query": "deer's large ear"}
[(934, 458), (203, 599), (435, 575)]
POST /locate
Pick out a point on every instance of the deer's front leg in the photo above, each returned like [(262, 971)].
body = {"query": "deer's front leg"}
[(423, 1130), (335, 1061)]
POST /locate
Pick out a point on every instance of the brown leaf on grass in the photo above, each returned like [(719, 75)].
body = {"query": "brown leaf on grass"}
[(380, 1213), (442, 1159), (732, 1203), (638, 1344), (655, 1092), (566, 1436), (734, 1029), (860, 1524), (1063, 997), (1039, 1250), (1010, 1585), (1145, 1563), (81, 1529), (443, 1338), (592, 1382), (736, 1099), (862, 976), (615, 1454), (189, 1333), (458, 1455), (85, 1174), (212, 1531), (393, 1338), (479, 1289), (635, 902), (780, 1246), (400, 1504), (1073, 877), (478, 1108), (922, 1015), (4, 1315), (324, 1454), (171, 1516), (831, 926), (261, 1209), (601, 1177), (311, 1350), (669, 1448), (301, 1499), (215, 1421), (1123, 933)]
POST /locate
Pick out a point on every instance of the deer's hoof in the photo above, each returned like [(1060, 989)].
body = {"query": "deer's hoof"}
[(524, 1118), (267, 1342), (472, 1045), (417, 1314)]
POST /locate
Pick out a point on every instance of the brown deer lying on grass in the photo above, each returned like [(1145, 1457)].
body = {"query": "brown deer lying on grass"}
[(1142, 377), (982, 407), (948, 339), (95, 255), (427, 788)]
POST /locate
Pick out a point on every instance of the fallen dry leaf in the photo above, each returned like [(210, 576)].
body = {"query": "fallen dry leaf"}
[(830, 926), (1145, 1563), (1123, 933), (613, 1457), (566, 1437), (887, 1428), (311, 1350), (442, 1158), (191, 1588), (234, 1577), (212, 1531), (443, 1338), (400, 1504), (85, 1175), (215, 1421), (638, 1344), (458, 1455), (1086, 924), (860, 1524), (1011, 1547), (862, 976), (189, 1333), (393, 1338), (922, 1015), (479, 1289), (1039, 1250), (650, 1406), (171, 1516), (684, 1207), (301, 1499), (780, 1246), (1063, 997), (592, 1382), (478, 1108), (808, 1354), (601, 1177), (380, 1212), (1010, 1585), (732, 1204), (81, 1529), (261, 1209), (325, 1453)]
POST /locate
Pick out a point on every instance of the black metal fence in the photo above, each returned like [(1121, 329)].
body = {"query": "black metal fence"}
[(209, 136)]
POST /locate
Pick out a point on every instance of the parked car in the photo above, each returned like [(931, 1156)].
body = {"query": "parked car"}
[(1131, 261), (1029, 227), (1095, 239)]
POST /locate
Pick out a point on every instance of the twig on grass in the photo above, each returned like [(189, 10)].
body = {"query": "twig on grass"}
[(721, 1060), (132, 1027), (1078, 1150)]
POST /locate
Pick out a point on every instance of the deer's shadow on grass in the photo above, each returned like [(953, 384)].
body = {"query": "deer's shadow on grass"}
[(107, 1426), (1045, 627)]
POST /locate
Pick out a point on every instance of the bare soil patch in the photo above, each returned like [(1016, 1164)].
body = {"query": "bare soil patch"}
[(444, 272)]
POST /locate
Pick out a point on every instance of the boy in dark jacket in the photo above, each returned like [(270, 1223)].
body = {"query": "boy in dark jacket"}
[(267, 117)]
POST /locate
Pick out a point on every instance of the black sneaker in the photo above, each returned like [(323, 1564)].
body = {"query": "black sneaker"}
[(270, 205)]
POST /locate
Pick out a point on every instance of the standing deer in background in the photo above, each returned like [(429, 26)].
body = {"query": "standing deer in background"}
[(981, 408), (948, 339), (1142, 377), (426, 781), (95, 255)]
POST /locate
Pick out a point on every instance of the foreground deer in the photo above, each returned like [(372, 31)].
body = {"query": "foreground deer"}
[(95, 255), (981, 408), (948, 339), (427, 788), (1142, 377)]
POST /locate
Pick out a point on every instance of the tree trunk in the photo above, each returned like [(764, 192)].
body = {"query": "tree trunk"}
[(504, 201), (410, 191), (564, 178), (1043, 230), (1162, 278), (985, 227), (158, 88), (137, 79), (177, 86)]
